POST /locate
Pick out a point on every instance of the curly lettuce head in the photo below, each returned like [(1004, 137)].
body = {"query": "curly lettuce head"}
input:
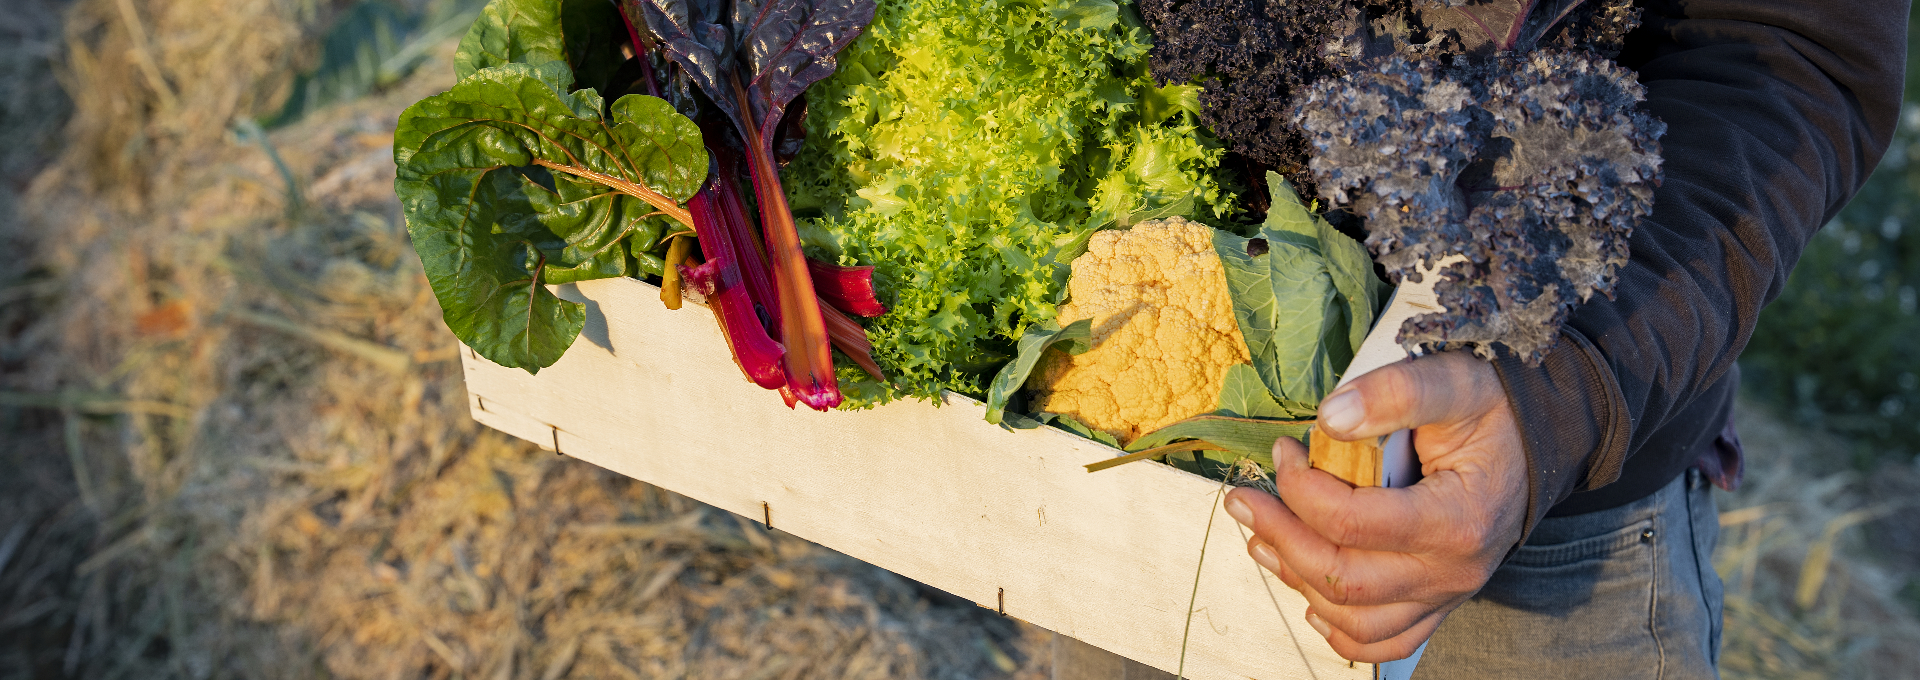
[(962, 146)]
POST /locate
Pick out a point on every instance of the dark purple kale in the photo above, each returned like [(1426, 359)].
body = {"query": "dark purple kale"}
[(1533, 166), (1250, 57), (1255, 59), (1390, 143), (1483, 28), (1599, 27)]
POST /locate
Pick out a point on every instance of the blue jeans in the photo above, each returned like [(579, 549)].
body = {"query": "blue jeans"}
[(1623, 593), (1628, 592)]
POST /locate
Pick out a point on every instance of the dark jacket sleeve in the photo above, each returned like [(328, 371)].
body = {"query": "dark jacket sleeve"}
[(1776, 112)]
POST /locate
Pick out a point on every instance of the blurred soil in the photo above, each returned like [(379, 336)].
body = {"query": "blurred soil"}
[(235, 443)]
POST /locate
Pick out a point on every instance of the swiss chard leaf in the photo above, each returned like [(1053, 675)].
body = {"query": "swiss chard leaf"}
[(1075, 338), (788, 45), (694, 37), (471, 214), (584, 35), (483, 267), (590, 222)]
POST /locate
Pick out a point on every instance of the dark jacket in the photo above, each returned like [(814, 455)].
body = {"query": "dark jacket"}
[(1776, 112)]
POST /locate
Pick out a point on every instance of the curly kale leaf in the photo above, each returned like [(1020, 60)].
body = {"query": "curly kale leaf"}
[(1390, 144), (1255, 59), (1562, 164)]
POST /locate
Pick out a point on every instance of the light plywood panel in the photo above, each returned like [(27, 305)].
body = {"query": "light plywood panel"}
[(932, 492)]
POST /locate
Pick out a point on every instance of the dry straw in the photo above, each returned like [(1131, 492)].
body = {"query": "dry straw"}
[(236, 440)]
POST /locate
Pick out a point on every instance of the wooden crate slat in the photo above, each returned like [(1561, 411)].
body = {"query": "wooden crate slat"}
[(933, 493)]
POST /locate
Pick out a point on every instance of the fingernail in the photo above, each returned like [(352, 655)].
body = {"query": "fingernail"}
[(1343, 411), (1240, 512), (1319, 625), (1264, 554)]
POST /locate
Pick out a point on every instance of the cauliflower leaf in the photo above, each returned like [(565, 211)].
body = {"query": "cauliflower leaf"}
[(1075, 338), (1304, 295)]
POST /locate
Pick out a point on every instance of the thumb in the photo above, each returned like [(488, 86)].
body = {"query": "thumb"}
[(1438, 388)]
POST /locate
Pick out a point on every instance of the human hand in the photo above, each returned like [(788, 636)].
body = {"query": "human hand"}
[(1381, 567)]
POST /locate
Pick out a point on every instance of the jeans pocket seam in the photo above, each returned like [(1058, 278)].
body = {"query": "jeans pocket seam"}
[(1581, 550)]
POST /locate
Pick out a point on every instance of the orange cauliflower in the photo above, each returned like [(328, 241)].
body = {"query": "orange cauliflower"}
[(1164, 333)]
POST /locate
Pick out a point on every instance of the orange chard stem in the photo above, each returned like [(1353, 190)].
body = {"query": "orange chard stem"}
[(809, 358)]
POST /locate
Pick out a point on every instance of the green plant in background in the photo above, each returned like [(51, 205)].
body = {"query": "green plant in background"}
[(373, 44), (1840, 348)]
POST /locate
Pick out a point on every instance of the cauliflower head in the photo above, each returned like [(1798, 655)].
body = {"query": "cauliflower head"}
[(1164, 333)]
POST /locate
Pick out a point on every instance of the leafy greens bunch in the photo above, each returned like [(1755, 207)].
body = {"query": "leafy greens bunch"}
[(524, 175), (1526, 164), (967, 149)]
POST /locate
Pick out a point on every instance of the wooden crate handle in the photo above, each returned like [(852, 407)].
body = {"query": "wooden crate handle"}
[(1356, 463)]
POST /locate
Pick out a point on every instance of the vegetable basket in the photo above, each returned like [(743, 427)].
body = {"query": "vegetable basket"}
[(1008, 519)]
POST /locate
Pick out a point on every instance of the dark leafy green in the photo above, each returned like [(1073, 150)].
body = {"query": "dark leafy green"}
[(484, 229), (751, 67), (693, 36), (788, 45)]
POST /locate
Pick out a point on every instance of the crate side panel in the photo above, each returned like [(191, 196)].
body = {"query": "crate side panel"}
[(934, 493)]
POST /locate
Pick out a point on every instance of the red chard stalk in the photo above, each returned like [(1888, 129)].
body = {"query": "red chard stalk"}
[(720, 280), (752, 63), (848, 289)]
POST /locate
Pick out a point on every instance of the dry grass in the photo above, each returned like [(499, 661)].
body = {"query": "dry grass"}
[(240, 442), (1807, 594), (237, 440)]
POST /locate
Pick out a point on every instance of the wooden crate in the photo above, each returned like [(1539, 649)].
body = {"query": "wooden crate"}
[(1008, 519)]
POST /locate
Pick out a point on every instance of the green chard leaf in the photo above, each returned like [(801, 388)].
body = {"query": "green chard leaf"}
[(1076, 338), (490, 237), (512, 32), (583, 35), (596, 226)]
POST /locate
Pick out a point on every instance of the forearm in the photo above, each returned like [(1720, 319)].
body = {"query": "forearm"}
[(1776, 113)]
